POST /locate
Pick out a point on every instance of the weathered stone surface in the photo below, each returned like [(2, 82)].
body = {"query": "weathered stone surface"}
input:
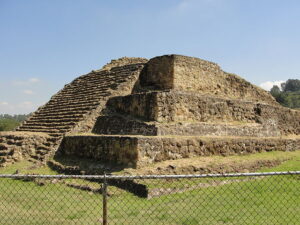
[(114, 149), (15, 146), (119, 125), (138, 151), (123, 62), (196, 75), (176, 106)]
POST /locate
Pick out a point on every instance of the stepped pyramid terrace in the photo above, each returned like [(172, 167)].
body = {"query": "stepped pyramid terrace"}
[(135, 112)]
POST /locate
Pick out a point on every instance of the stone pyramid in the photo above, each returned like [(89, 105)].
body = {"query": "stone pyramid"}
[(134, 112)]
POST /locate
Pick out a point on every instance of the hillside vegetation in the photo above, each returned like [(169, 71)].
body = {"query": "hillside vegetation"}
[(8, 122), (288, 94)]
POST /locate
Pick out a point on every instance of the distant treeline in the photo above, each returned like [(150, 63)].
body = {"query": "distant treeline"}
[(288, 94), (10, 122)]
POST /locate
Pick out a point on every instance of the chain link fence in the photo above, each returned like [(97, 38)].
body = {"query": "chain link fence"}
[(248, 198)]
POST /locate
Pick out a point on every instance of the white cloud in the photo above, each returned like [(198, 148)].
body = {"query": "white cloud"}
[(28, 92), (34, 80), (269, 84)]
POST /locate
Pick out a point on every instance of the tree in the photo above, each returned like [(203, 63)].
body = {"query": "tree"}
[(290, 94), (8, 124), (275, 91), (291, 85)]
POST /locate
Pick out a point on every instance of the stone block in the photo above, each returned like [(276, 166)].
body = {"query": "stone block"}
[(199, 76), (139, 151), (185, 107)]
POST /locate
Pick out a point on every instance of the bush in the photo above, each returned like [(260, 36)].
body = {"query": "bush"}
[(8, 124), (289, 96)]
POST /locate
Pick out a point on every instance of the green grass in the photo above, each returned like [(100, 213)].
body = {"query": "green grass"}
[(267, 200), (26, 203), (291, 165)]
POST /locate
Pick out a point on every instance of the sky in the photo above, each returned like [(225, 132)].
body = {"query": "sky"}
[(46, 44)]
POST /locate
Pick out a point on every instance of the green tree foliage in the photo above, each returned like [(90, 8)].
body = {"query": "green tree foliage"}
[(275, 91), (291, 85), (9, 122), (289, 95)]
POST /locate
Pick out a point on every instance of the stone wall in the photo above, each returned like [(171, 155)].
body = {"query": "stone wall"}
[(218, 129), (143, 106), (138, 151), (15, 146), (199, 76), (167, 148), (119, 125), (175, 106), (114, 149)]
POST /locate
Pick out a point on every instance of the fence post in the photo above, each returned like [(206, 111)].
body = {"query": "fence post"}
[(104, 202)]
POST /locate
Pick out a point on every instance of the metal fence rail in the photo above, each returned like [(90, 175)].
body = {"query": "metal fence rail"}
[(236, 198)]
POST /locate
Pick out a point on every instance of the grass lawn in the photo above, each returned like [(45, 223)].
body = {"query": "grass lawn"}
[(266, 200)]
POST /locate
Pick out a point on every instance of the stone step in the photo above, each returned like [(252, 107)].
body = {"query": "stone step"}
[(65, 102), (3, 146), (65, 106), (48, 131), (92, 82), (67, 99), (41, 153), (115, 76), (37, 126), (60, 109), (43, 129), (84, 89), (48, 123), (4, 159), (56, 135), (70, 104), (54, 120), (80, 94), (57, 117), (6, 152), (61, 114), (38, 157), (73, 98)]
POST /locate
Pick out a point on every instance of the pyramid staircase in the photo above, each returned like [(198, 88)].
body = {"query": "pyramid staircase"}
[(83, 95), (74, 108)]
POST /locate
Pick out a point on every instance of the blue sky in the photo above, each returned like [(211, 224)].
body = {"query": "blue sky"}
[(45, 44)]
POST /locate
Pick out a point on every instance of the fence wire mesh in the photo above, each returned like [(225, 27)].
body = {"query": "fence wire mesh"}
[(255, 198)]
